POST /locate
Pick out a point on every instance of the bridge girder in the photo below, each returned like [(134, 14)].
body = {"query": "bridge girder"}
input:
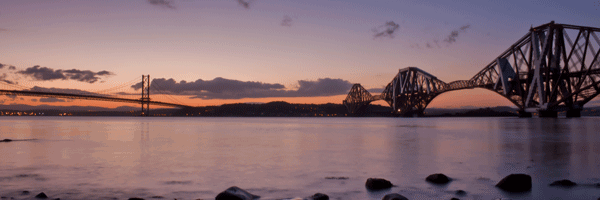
[(544, 71)]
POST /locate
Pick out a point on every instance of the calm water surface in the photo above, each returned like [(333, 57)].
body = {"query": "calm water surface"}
[(277, 158)]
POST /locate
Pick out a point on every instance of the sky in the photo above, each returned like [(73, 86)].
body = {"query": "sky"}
[(211, 52)]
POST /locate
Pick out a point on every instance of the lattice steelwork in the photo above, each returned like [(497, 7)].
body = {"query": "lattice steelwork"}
[(358, 98), (554, 67)]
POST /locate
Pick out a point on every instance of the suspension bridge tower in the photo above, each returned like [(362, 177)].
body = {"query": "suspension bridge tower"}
[(145, 95)]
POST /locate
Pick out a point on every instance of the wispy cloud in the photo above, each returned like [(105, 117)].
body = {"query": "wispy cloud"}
[(221, 88), (244, 3), (287, 21), (49, 74), (386, 30), (451, 38), (162, 3)]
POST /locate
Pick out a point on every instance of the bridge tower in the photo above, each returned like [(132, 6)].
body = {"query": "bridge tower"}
[(145, 95)]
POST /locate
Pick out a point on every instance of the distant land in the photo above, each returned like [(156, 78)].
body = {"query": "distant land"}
[(271, 109)]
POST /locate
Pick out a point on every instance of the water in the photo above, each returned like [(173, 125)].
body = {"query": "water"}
[(276, 158)]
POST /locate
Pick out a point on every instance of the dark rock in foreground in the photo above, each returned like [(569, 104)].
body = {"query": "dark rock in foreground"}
[(394, 196), (378, 184), (41, 196), (460, 192), (438, 179), (455, 199), (515, 183), (6, 140), (235, 193), (25, 192), (318, 196), (563, 183), (135, 198)]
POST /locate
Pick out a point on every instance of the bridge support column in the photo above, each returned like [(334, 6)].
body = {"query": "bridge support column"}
[(548, 114), (145, 95), (524, 114), (574, 113)]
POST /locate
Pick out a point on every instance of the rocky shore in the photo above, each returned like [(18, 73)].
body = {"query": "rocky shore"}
[(513, 183)]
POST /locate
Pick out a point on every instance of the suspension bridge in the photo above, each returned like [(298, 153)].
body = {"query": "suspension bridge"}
[(111, 94), (553, 68)]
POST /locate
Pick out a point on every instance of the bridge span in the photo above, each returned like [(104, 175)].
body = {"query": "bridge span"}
[(554, 67), (145, 101)]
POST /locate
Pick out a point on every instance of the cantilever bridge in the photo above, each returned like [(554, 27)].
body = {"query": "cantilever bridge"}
[(100, 96), (554, 67)]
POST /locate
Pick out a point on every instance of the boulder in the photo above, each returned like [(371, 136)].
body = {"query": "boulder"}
[(454, 198), (460, 193), (135, 198), (563, 183), (318, 196), (378, 184), (6, 140), (25, 192), (394, 196), (438, 179), (41, 196), (515, 183), (235, 193)]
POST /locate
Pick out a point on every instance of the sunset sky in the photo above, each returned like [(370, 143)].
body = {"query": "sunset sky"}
[(228, 51)]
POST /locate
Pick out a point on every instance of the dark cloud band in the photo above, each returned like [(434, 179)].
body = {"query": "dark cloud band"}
[(220, 88), (49, 74)]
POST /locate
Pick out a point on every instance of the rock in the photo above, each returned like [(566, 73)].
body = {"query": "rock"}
[(394, 196), (6, 140), (460, 192), (563, 183), (135, 198), (157, 197), (25, 192), (455, 199), (235, 193), (318, 196), (378, 184), (438, 179), (41, 196), (515, 183)]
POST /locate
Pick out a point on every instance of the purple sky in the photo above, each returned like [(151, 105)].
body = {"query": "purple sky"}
[(280, 42)]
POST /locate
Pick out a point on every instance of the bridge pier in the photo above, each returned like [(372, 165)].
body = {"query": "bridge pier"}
[(547, 114), (524, 114), (573, 113)]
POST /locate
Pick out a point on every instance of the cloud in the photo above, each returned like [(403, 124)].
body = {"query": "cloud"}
[(245, 4), (287, 21), (220, 88), (386, 30), (49, 74), (162, 3), (62, 90), (3, 79), (51, 100), (454, 34)]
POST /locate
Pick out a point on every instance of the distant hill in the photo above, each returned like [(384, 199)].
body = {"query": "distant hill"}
[(271, 109)]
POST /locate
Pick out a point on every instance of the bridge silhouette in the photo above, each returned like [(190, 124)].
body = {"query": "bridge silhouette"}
[(145, 100), (553, 68)]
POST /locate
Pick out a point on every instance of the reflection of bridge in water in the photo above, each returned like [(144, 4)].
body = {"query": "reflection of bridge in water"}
[(144, 101), (552, 68)]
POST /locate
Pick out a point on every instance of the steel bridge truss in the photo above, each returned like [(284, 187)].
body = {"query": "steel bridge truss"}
[(554, 67)]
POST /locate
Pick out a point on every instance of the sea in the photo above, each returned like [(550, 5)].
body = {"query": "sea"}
[(284, 158)]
